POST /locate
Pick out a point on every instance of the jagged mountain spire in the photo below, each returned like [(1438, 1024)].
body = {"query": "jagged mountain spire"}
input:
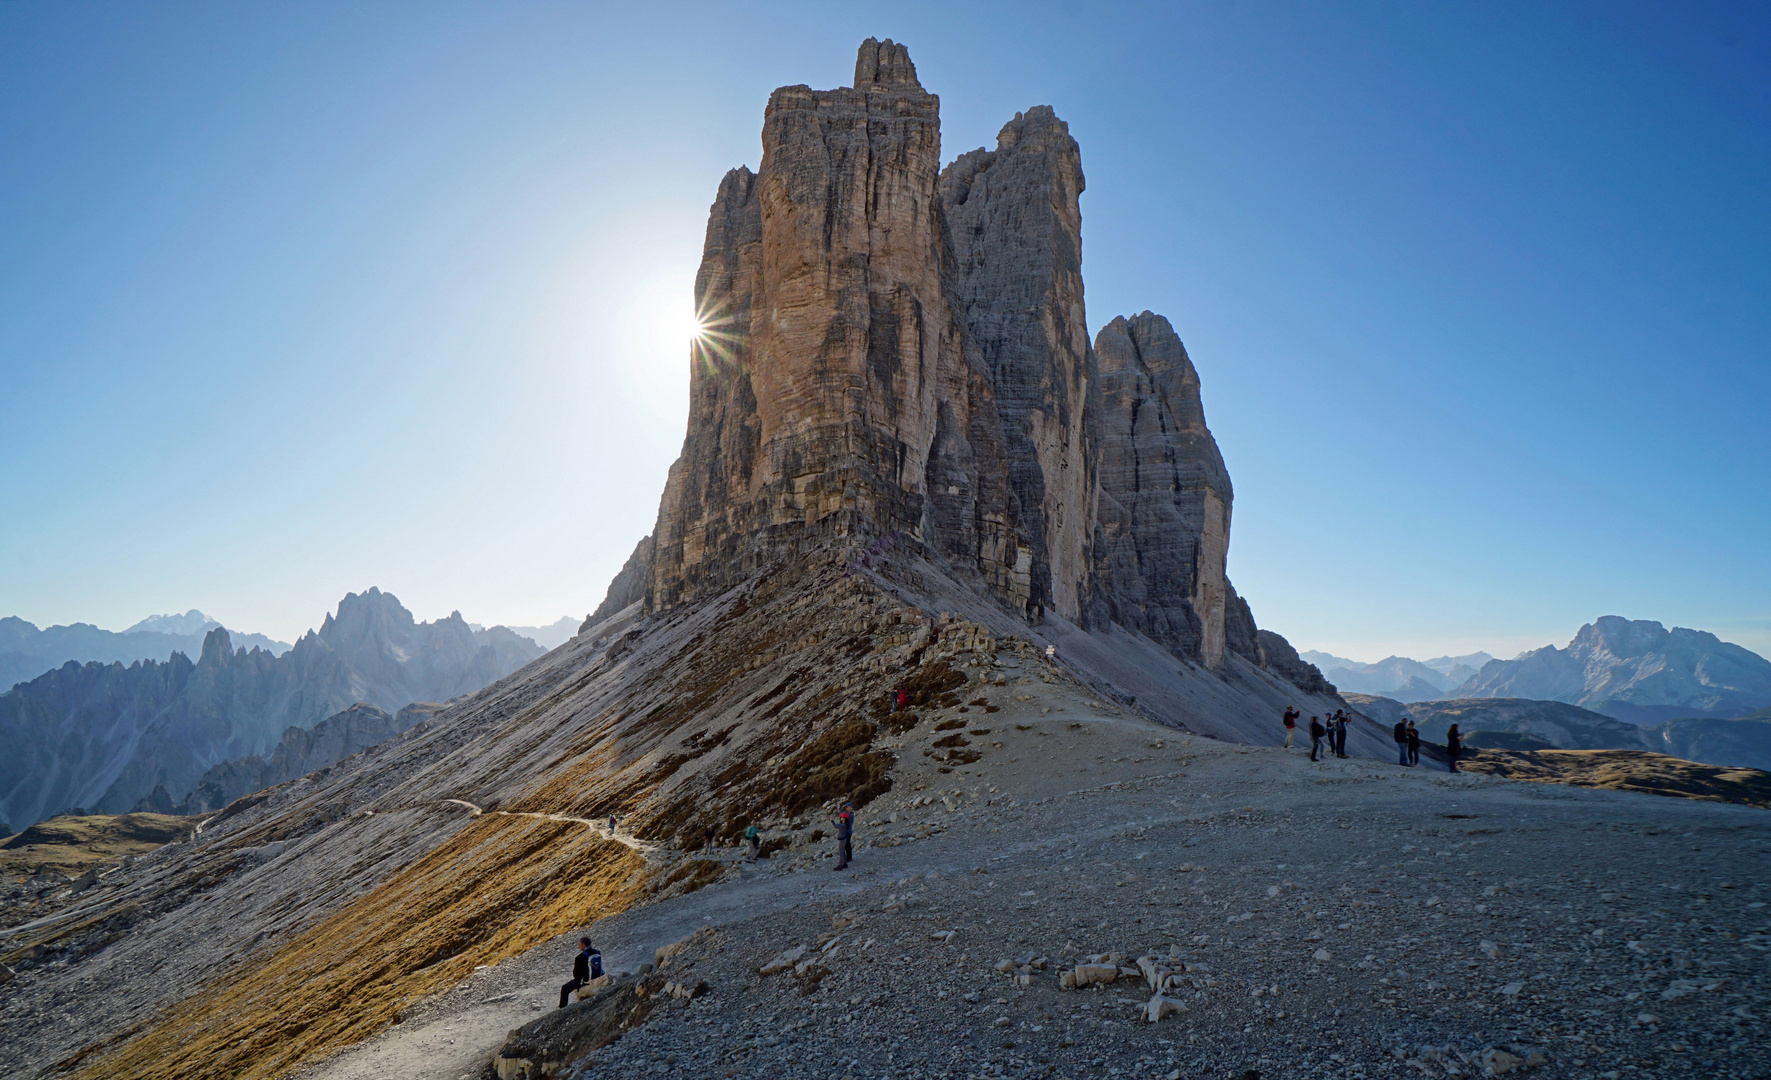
[(903, 350)]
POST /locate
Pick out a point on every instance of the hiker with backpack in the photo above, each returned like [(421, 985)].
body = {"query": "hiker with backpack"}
[(1291, 724), (1340, 733), (1400, 734), (587, 965), (1316, 733), (754, 838)]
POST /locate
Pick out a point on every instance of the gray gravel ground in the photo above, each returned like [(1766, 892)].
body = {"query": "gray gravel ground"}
[(1345, 918)]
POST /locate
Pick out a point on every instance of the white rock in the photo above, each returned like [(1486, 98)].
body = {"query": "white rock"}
[(1160, 1007), (1322, 956), (1090, 974), (783, 961), (1512, 989), (1491, 950)]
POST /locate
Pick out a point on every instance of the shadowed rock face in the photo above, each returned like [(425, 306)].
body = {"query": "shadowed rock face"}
[(1163, 521), (1016, 224), (628, 587)]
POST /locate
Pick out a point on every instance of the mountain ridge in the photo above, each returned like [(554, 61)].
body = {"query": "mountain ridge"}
[(103, 736), (1637, 671)]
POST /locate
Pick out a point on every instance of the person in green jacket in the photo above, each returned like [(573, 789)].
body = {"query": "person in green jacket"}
[(754, 838)]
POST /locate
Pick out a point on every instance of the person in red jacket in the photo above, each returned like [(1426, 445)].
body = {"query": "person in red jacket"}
[(1291, 724)]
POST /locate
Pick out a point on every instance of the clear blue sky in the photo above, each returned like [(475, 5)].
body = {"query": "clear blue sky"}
[(297, 299)]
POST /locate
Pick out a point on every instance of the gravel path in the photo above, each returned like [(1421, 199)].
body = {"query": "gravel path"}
[(1342, 918)]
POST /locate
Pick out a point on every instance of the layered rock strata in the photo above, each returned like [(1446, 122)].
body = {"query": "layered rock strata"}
[(835, 396), (897, 351), (1015, 217), (1163, 518)]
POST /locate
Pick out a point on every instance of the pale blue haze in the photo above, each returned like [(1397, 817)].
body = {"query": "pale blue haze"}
[(296, 299)]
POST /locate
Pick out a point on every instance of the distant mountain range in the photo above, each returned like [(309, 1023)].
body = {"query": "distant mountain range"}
[(301, 751), (1398, 676), (1742, 740), (101, 735), (1637, 671), (27, 652), (551, 636)]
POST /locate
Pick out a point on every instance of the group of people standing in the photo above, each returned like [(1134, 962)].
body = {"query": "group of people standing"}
[(1335, 731), (1407, 737)]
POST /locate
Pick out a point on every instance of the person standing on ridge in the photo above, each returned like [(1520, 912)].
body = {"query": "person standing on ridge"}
[(844, 825), (587, 965), (1400, 734), (1413, 744), (1340, 733), (1454, 745), (1291, 724), (1316, 733)]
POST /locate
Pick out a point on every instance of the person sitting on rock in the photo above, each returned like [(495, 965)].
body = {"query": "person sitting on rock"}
[(1316, 733), (587, 965)]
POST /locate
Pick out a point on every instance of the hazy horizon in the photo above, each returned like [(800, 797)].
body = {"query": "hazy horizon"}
[(297, 301)]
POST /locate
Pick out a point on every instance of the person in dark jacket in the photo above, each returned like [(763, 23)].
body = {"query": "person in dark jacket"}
[(1454, 745), (1340, 733), (1316, 733), (1400, 734), (1413, 744), (587, 965), (844, 826)]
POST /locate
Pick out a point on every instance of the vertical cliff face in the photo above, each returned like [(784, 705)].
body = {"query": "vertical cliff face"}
[(1016, 225), (836, 396), (898, 349), (1163, 519)]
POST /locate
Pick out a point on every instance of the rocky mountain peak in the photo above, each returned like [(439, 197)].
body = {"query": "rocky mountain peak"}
[(900, 350), (218, 648), (1619, 636), (884, 65), (369, 616)]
